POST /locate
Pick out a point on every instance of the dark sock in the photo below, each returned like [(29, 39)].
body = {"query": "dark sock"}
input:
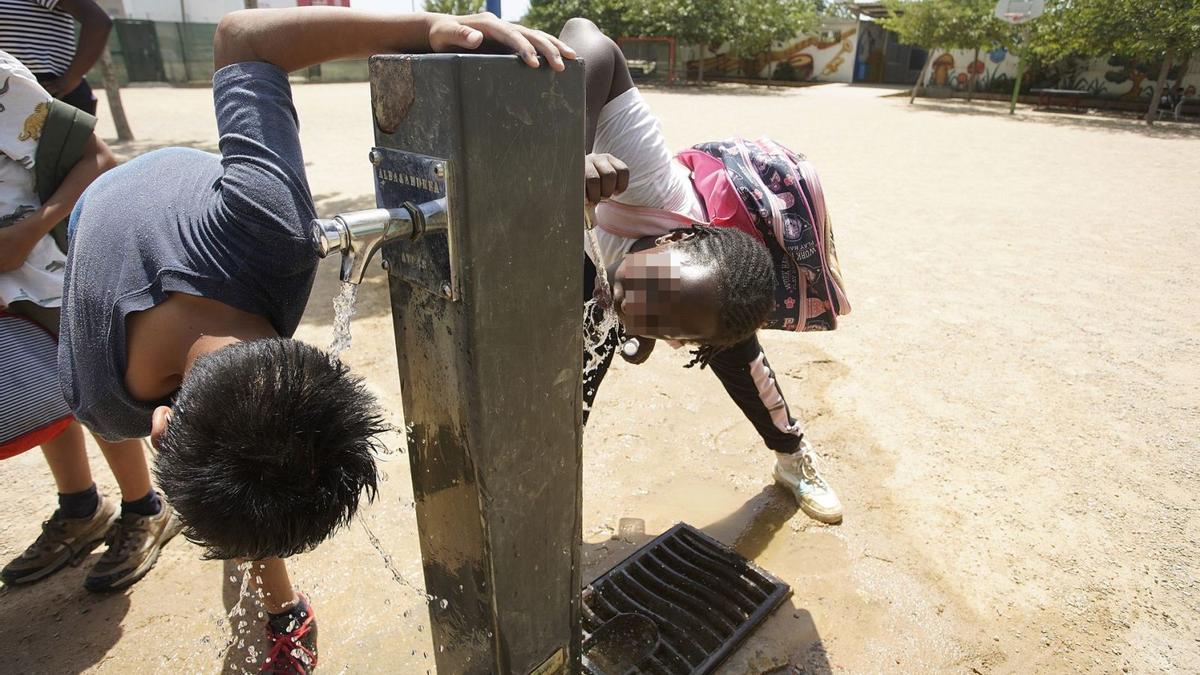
[(150, 505), (286, 622), (78, 504)]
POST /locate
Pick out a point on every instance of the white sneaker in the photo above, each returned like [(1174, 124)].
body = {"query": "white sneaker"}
[(798, 473)]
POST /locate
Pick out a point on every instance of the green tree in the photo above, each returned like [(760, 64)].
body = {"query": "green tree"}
[(946, 24), (609, 15), (703, 23), (924, 23), (976, 27), (1142, 31), (455, 6), (759, 24)]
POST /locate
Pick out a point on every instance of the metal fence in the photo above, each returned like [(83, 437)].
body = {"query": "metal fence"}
[(182, 53)]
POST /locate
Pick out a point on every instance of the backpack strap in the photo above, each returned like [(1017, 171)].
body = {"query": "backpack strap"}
[(64, 135), (635, 222)]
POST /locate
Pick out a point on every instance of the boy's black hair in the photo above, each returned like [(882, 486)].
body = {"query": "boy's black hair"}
[(745, 284), (268, 448)]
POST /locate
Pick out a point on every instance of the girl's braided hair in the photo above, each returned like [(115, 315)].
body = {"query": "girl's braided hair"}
[(745, 284)]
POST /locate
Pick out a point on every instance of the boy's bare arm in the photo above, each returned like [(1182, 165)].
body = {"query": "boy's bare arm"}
[(298, 37)]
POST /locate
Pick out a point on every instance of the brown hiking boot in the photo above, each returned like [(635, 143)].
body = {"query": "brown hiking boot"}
[(133, 546), (63, 541)]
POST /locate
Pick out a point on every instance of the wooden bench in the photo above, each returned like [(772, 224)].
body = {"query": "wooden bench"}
[(1072, 98)]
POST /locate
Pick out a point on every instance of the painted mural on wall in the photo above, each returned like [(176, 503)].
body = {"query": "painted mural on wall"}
[(1116, 76), (827, 57)]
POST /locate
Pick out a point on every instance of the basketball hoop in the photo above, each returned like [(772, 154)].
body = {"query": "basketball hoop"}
[(1018, 12)]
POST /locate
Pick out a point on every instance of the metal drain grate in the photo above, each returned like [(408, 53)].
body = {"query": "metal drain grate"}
[(703, 598)]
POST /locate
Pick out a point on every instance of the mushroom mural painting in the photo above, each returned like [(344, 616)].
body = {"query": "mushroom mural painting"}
[(941, 69)]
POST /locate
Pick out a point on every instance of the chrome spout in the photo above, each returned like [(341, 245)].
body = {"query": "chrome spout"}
[(357, 235)]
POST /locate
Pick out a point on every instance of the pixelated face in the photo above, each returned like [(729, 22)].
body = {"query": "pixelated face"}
[(658, 293)]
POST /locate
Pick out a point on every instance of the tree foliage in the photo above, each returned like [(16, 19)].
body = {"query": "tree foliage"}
[(455, 6), (1139, 29), (1145, 38), (550, 15), (753, 26), (948, 24), (759, 24)]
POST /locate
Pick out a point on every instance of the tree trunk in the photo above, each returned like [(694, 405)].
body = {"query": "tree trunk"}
[(1158, 86), (700, 76), (922, 77), (1183, 70), (974, 76), (113, 92)]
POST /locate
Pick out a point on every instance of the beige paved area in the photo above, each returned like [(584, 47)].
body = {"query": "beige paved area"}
[(1010, 413)]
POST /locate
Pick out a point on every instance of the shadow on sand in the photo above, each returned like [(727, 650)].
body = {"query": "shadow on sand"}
[(1108, 122), (55, 621)]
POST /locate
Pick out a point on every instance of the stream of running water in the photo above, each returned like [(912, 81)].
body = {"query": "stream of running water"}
[(343, 311), (599, 317)]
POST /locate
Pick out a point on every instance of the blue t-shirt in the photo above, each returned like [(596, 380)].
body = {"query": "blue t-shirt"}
[(229, 227)]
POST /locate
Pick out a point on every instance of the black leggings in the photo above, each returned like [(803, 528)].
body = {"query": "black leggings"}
[(742, 369), (81, 97)]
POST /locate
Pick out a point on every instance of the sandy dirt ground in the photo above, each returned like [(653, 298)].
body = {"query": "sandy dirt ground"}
[(1010, 414)]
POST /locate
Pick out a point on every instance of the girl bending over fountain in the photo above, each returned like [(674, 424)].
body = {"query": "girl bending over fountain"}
[(691, 265)]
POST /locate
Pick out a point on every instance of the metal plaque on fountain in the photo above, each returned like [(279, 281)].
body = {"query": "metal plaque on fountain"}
[(427, 261)]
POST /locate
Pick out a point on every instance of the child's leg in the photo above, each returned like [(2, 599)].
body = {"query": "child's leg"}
[(67, 457), (127, 460), (270, 577), (80, 523), (606, 76), (291, 623), (145, 526), (751, 383)]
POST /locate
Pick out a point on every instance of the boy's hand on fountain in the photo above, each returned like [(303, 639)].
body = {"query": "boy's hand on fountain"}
[(604, 176), (449, 33), (637, 349)]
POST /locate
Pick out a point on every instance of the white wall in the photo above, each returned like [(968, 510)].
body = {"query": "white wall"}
[(1093, 74)]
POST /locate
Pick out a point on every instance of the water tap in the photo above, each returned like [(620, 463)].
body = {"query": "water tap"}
[(357, 235)]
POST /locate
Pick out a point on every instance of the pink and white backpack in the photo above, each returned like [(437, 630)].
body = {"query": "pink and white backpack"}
[(775, 195)]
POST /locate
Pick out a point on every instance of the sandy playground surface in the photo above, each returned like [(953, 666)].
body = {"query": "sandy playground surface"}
[(1010, 414)]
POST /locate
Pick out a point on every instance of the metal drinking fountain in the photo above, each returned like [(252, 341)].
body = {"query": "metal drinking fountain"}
[(357, 235), (479, 187)]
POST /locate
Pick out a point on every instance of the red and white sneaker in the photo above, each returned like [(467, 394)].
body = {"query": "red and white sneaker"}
[(293, 652)]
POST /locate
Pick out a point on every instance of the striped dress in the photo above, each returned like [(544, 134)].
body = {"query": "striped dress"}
[(39, 34), (32, 407)]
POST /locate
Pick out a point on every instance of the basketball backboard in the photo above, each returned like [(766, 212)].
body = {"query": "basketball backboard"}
[(1019, 11)]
